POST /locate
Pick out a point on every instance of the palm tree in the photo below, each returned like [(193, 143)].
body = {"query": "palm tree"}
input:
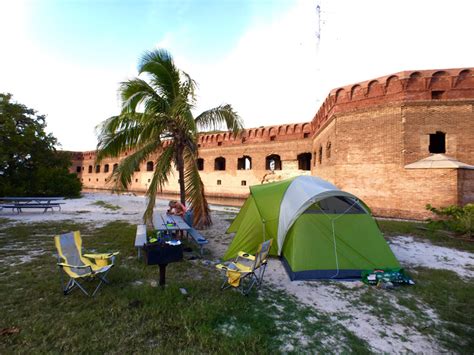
[(156, 121)]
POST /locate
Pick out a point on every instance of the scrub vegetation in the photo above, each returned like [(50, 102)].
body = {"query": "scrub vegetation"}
[(106, 205), (132, 314)]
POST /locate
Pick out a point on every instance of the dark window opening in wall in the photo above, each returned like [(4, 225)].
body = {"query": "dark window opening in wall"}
[(149, 180), (272, 138), (437, 143), (244, 163), (305, 135), (200, 164), (273, 162), (243, 183), (219, 182), (136, 180), (219, 163), (78, 169), (106, 168), (199, 146), (82, 179), (328, 150), (320, 155), (219, 143), (149, 166), (115, 180), (97, 180), (90, 169), (97, 168), (437, 95), (82, 168), (314, 158), (115, 167), (304, 161), (244, 139), (89, 180)]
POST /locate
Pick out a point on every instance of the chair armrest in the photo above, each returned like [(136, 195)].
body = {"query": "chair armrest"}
[(245, 255), (101, 256)]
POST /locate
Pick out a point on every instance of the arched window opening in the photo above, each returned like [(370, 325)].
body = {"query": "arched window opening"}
[(219, 163), (90, 169), (149, 166), (78, 169), (437, 142), (320, 155), (304, 161), (106, 168), (328, 149), (97, 168), (273, 162), (200, 164), (115, 167), (244, 163)]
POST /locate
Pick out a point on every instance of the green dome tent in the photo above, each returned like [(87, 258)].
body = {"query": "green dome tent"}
[(319, 231)]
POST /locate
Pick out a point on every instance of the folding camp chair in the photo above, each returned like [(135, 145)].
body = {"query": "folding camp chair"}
[(80, 267), (246, 270)]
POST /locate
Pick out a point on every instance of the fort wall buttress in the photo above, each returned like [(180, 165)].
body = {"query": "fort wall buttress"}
[(465, 186)]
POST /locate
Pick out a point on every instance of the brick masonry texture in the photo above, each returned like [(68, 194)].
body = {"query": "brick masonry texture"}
[(360, 139)]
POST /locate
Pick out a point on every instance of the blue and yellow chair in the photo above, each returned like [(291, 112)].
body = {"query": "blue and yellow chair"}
[(80, 267)]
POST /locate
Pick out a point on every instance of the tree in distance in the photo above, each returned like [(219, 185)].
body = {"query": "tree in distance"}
[(30, 165)]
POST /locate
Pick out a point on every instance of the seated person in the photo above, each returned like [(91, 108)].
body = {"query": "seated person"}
[(176, 208)]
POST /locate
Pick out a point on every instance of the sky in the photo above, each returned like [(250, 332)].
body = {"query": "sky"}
[(274, 61)]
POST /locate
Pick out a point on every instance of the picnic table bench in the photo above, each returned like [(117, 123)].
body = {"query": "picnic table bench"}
[(140, 238), (197, 238)]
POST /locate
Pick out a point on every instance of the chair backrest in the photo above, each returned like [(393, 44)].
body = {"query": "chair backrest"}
[(262, 253), (69, 248)]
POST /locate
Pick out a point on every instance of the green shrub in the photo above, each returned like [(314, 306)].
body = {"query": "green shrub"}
[(455, 218)]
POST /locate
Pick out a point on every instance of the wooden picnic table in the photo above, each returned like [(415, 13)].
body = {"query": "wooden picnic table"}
[(169, 222), (20, 203)]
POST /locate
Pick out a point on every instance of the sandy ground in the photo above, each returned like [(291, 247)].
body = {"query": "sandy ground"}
[(332, 298)]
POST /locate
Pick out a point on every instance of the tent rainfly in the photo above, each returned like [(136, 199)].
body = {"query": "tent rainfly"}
[(319, 231)]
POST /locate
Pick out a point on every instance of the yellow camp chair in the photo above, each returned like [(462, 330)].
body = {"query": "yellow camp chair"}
[(246, 266), (80, 267)]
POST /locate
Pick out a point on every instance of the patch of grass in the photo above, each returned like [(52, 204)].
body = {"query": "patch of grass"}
[(131, 316), (4, 220), (421, 231), (452, 299), (106, 205)]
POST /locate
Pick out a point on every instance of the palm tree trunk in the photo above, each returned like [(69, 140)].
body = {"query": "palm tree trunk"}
[(180, 167)]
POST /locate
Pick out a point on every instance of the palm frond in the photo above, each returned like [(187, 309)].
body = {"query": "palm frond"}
[(160, 178), (128, 166), (163, 74), (195, 191), (127, 131), (136, 91), (215, 118)]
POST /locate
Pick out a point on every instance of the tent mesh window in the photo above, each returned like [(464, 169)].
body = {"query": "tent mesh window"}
[(336, 205)]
